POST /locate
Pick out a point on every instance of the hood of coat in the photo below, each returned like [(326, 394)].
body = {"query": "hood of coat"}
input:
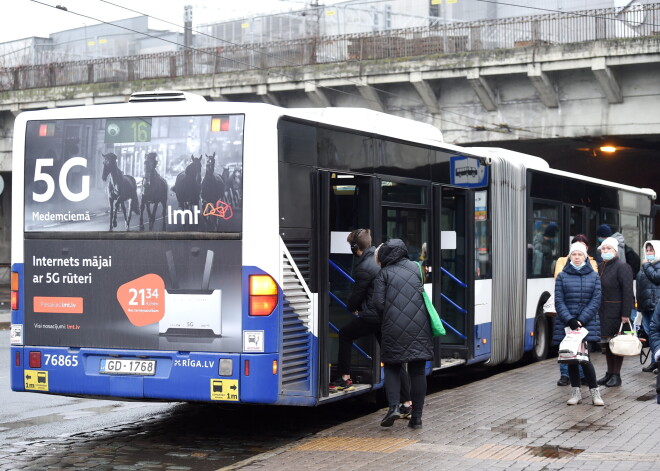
[(620, 239), (656, 247), (585, 270), (392, 251)]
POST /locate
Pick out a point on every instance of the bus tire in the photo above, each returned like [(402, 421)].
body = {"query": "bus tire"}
[(541, 338)]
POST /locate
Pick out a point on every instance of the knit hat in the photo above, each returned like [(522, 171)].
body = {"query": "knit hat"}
[(604, 231), (551, 230), (578, 247), (612, 242)]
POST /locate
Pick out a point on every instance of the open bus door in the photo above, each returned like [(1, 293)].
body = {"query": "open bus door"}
[(347, 202), (453, 279)]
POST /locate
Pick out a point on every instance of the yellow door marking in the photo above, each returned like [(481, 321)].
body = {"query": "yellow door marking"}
[(224, 389), (36, 380)]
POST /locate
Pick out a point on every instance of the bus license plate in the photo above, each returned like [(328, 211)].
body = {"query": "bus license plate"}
[(111, 366)]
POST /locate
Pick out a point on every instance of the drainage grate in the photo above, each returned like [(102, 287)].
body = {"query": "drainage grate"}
[(374, 445)]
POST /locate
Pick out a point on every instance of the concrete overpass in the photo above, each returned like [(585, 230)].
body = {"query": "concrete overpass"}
[(559, 101)]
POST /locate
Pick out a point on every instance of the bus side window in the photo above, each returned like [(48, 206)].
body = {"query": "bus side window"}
[(544, 246)]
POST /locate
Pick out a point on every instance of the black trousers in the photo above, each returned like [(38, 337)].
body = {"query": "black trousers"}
[(417, 384), (589, 373), (354, 330)]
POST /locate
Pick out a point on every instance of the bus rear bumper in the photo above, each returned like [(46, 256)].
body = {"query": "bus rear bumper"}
[(176, 376)]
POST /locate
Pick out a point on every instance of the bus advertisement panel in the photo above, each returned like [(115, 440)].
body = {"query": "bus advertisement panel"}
[(93, 175), (155, 175)]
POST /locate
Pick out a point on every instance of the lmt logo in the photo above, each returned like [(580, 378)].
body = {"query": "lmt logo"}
[(183, 216)]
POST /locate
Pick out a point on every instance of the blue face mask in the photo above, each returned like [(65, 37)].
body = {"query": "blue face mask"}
[(608, 256), (601, 239), (577, 267), (650, 258)]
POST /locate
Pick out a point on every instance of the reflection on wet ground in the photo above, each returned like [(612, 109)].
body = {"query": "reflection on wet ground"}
[(50, 418), (192, 436), (200, 437)]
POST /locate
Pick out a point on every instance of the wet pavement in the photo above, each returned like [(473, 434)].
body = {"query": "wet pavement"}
[(476, 418), (199, 437), (517, 419)]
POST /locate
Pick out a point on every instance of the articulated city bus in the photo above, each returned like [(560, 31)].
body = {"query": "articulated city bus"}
[(171, 248)]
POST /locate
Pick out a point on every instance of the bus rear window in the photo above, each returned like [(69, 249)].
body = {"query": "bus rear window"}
[(145, 174)]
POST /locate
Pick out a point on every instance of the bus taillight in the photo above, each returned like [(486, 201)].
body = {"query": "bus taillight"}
[(35, 360), (263, 295), (14, 290)]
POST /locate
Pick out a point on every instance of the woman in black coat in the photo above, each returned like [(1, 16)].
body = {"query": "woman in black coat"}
[(616, 280), (405, 328)]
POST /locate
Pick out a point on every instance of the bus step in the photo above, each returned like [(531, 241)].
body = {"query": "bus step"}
[(450, 362)]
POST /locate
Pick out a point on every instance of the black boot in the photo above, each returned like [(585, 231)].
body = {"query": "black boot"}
[(614, 381), (415, 422), (392, 414), (564, 381), (604, 379), (650, 368)]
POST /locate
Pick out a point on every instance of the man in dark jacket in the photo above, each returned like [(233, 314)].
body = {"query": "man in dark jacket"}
[(406, 328), (366, 322)]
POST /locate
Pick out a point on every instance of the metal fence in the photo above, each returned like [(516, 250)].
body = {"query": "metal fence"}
[(508, 33)]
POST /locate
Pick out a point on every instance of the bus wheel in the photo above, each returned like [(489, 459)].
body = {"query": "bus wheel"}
[(541, 343)]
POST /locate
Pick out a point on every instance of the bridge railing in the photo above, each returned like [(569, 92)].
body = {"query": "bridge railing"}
[(507, 33)]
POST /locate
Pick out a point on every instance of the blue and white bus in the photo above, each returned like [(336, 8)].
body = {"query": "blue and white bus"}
[(171, 248)]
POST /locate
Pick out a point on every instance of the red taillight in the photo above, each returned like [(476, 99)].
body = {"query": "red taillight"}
[(263, 295), (35, 359), (18, 358), (262, 305), (246, 368), (14, 291)]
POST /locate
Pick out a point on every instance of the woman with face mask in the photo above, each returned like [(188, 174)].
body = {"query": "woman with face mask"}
[(616, 278), (577, 298), (648, 290)]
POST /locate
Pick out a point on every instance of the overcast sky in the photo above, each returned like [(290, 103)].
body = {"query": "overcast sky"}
[(26, 18)]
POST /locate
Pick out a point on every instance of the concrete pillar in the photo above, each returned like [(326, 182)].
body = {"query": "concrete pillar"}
[(317, 95), (482, 89), (606, 80), (425, 92), (370, 94), (266, 96), (543, 85)]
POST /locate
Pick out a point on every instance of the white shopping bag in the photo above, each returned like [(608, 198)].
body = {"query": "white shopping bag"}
[(571, 349)]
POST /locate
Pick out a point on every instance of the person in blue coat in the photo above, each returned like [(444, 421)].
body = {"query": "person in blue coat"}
[(577, 299), (648, 288)]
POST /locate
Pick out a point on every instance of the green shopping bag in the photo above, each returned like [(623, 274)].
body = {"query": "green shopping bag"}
[(437, 329)]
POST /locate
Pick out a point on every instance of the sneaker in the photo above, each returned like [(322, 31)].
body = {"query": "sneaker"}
[(405, 411), (340, 384), (563, 381)]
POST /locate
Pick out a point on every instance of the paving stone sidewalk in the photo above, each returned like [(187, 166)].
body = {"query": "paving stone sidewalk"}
[(515, 420)]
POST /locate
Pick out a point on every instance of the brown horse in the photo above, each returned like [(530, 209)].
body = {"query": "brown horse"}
[(121, 188), (188, 184), (154, 192)]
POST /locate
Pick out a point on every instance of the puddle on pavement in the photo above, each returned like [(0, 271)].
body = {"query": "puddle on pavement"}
[(589, 427), (59, 417), (647, 397), (553, 452), (512, 427)]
